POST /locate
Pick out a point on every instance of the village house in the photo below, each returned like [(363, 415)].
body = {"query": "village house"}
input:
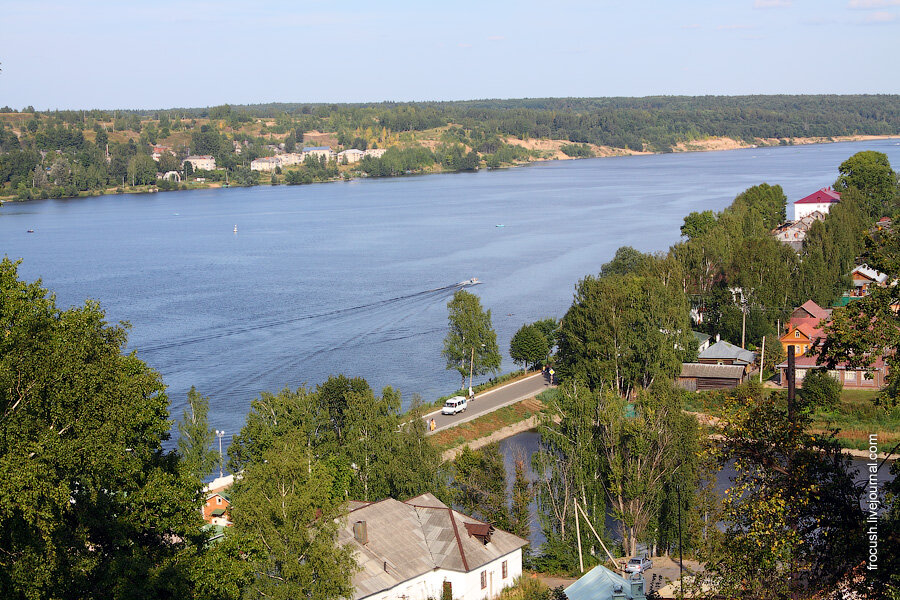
[(803, 330), (290, 158), (375, 152), (793, 233), (156, 152), (267, 163), (422, 549), (864, 277), (352, 155), (215, 508), (703, 340), (201, 162), (700, 377), (319, 152), (820, 201), (723, 353)]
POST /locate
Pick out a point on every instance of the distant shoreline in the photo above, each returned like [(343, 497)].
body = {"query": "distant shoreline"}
[(710, 144)]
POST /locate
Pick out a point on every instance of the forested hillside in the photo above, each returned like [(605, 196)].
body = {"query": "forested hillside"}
[(67, 153)]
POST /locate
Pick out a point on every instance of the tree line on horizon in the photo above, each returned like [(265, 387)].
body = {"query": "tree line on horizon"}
[(477, 130)]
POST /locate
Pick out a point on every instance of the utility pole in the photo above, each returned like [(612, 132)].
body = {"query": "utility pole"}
[(578, 535), (762, 358), (220, 434)]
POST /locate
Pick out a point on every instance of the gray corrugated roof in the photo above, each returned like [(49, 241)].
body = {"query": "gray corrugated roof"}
[(724, 350), (704, 370), (598, 584), (413, 538)]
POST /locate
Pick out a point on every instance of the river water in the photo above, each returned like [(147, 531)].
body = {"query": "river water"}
[(354, 277)]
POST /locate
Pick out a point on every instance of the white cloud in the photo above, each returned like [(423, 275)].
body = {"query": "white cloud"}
[(880, 17), (771, 3), (870, 4)]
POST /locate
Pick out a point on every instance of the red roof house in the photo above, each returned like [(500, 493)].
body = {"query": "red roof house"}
[(821, 201)]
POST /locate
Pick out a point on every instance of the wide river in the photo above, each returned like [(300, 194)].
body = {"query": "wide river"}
[(354, 277)]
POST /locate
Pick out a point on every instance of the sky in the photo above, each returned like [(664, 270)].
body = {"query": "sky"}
[(165, 54)]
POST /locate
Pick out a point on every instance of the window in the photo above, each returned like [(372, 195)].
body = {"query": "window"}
[(483, 579), (218, 499), (505, 570), (850, 376), (796, 334)]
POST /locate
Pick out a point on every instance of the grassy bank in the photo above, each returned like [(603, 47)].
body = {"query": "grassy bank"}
[(485, 425), (855, 416)]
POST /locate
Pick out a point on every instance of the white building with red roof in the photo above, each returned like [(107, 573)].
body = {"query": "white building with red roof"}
[(821, 201)]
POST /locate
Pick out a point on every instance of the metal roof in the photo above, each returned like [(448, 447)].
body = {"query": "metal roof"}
[(719, 371), (599, 584), (723, 350), (409, 539)]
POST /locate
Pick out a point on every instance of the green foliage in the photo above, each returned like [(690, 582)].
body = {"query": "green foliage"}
[(377, 451), (820, 389), (870, 172), (479, 485), (624, 331), (528, 345), (626, 261), (89, 500), (196, 437), (519, 513), (577, 150), (698, 224), (792, 516), (286, 512), (471, 342)]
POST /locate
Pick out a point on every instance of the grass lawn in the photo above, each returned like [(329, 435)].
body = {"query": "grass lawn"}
[(486, 424), (856, 416)]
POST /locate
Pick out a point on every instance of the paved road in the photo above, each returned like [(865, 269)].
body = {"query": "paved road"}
[(493, 399)]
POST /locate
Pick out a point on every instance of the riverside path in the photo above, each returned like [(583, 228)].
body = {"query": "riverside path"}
[(491, 400)]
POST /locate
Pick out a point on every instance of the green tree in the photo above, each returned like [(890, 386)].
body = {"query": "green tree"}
[(869, 172), (89, 500), (141, 170), (625, 332), (471, 342), (196, 437), (479, 485), (793, 523), (286, 512), (698, 224), (821, 389), (626, 261), (520, 513), (528, 345)]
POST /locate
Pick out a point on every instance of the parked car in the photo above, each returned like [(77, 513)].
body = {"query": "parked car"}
[(456, 404), (638, 564)]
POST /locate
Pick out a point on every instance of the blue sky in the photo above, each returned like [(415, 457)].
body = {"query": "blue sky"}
[(129, 54)]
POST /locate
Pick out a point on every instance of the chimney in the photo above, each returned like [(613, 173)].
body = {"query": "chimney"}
[(360, 532), (718, 338)]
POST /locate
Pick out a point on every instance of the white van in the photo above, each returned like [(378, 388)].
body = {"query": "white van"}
[(456, 404)]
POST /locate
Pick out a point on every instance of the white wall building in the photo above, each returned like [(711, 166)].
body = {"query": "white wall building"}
[(415, 549), (268, 163), (204, 162), (319, 152), (376, 152), (821, 201), (352, 155)]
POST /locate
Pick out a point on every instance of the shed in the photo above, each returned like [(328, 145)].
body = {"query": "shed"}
[(602, 584), (723, 353), (698, 377)]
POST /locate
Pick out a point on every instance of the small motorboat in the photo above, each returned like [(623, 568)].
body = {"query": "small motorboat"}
[(235, 228), (468, 282), (500, 225), (31, 231)]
